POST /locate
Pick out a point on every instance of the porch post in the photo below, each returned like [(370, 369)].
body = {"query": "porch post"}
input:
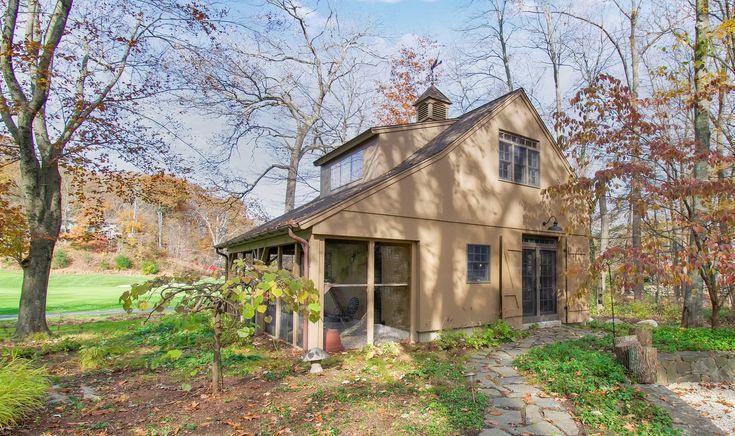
[(371, 292), (315, 335), (279, 257)]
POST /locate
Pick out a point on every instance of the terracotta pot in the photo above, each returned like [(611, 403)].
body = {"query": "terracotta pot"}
[(332, 343)]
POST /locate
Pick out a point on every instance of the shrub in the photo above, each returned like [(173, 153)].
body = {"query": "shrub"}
[(60, 260), (123, 262), (491, 336), (105, 265), (149, 267), (22, 390)]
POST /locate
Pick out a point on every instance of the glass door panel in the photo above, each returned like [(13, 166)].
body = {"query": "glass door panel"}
[(547, 282), (529, 282)]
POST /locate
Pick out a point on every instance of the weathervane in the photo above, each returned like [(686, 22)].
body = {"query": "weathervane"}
[(435, 64)]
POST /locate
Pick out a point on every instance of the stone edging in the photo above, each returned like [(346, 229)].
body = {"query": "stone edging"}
[(696, 366)]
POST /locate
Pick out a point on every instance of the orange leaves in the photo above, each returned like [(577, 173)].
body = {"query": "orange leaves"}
[(409, 73)]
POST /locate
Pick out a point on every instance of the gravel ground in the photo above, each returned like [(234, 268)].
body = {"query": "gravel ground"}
[(713, 400)]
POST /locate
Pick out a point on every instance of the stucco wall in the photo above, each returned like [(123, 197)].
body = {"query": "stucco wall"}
[(459, 199)]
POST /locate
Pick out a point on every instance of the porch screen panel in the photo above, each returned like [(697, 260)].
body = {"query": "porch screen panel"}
[(270, 313), (529, 282), (547, 282), (345, 296), (286, 332), (392, 320)]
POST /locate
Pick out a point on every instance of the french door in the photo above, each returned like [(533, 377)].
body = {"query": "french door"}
[(538, 271)]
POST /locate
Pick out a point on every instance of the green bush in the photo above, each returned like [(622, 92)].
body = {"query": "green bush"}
[(22, 390), (149, 267), (123, 262), (597, 385), (105, 265), (60, 260), (673, 338), (490, 336)]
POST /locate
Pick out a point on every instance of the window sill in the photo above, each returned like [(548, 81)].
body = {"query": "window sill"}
[(521, 184), (479, 283)]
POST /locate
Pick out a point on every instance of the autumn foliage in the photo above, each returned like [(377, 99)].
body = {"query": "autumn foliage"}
[(409, 76), (609, 126)]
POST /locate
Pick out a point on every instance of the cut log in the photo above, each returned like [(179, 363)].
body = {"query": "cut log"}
[(622, 346), (644, 334), (643, 364)]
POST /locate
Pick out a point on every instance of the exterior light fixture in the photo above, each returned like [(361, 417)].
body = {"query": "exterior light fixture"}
[(554, 227)]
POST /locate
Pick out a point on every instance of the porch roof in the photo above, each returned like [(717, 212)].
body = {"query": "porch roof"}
[(324, 203)]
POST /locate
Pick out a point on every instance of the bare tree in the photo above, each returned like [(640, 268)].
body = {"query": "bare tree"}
[(549, 34), (491, 31), (276, 87)]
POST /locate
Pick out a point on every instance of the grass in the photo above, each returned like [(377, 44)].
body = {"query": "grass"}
[(584, 372), (22, 390), (69, 292), (673, 338)]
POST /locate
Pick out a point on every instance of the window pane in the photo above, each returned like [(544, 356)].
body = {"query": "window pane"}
[(533, 167), (478, 263), (519, 164), (356, 166), (334, 176), (505, 160), (392, 293)]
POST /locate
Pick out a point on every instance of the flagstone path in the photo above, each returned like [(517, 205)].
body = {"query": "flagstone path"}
[(516, 407)]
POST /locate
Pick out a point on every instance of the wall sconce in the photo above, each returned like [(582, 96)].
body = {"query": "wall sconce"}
[(554, 227)]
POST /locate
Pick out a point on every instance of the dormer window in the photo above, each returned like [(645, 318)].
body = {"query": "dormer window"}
[(519, 159), (346, 170)]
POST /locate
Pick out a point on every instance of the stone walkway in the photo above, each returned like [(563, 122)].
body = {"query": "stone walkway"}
[(515, 406)]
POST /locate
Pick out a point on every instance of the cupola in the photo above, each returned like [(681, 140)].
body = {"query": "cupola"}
[(432, 105)]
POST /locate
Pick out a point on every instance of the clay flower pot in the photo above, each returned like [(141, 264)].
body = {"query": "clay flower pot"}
[(332, 343)]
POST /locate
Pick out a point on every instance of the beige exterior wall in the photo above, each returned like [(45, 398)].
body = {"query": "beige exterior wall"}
[(459, 200)]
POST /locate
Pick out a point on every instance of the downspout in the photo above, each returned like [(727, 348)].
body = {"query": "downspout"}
[(305, 272), (227, 262)]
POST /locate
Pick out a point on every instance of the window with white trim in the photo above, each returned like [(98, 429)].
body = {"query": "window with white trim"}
[(346, 170), (519, 159)]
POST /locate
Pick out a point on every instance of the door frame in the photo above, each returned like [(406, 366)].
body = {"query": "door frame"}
[(539, 246)]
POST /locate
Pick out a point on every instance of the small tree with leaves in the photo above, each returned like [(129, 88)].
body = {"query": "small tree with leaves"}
[(244, 294)]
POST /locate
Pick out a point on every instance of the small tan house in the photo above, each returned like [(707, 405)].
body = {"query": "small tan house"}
[(439, 224)]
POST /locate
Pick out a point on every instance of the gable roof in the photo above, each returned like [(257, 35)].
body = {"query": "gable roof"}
[(433, 92), (442, 141)]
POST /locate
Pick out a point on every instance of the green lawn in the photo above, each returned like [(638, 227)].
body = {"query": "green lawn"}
[(69, 292)]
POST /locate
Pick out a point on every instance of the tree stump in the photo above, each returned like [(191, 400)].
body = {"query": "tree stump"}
[(644, 335), (623, 344), (643, 364)]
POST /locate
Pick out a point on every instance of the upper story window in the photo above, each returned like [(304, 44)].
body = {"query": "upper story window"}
[(519, 159), (346, 170)]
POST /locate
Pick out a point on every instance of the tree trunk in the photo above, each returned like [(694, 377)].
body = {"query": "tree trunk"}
[(293, 172), (702, 145), (217, 355), (635, 193), (623, 345), (42, 191), (643, 364), (644, 335), (604, 237), (160, 228)]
